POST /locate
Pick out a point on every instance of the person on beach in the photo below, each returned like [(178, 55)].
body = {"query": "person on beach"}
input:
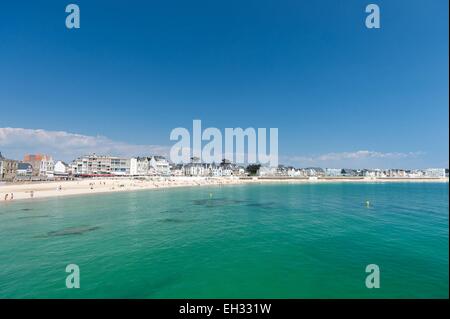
[(32, 194), (12, 196), (6, 196)]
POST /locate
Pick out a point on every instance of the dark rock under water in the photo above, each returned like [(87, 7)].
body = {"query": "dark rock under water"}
[(176, 220), (33, 217), (262, 205), (178, 211), (216, 202), (72, 231)]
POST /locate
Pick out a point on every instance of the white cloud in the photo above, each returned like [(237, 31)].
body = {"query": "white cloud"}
[(15, 142), (357, 159), (364, 155)]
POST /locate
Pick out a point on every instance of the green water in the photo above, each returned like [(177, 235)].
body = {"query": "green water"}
[(252, 241)]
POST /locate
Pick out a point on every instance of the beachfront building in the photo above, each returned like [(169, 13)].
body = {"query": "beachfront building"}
[(24, 171), (294, 172), (42, 164), (396, 172), (139, 166), (196, 169), (350, 172), (61, 170), (133, 166), (240, 171), (434, 172), (149, 166), (176, 169), (215, 170), (120, 166), (91, 165), (265, 171), (46, 166), (282, 170), (227, 168), (8, 168), (333, 172), (415, 173), (159, 165), (372, 173), (35, 161), (314, 171), (94, 165)]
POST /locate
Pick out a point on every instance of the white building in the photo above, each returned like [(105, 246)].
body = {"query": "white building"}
[(267, 171), (146, 166), (47, 166), (93, 165), (239, 171), (120, 166), (396, 173), (225, 168), (176, 169), (61, 169), (416, 173), (292, 172), (333, 172), (159, 165), (314, 171), (196, 169), (372, 173), (133, 166), (24, 170), (229, 169), (434, 172), (216, 170)]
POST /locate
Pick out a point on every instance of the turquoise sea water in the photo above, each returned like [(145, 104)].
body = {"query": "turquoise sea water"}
[(250, 241)]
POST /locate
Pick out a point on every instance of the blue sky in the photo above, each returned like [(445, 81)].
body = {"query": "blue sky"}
[(339, 93)]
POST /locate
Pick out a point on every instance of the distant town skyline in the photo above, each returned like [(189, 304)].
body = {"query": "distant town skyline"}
[(16, 143), (340, 94)]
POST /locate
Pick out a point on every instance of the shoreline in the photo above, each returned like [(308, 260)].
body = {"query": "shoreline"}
[(37, 190)]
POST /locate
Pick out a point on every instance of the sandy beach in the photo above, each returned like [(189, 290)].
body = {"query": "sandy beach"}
[(107, 185), (31, 190)]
